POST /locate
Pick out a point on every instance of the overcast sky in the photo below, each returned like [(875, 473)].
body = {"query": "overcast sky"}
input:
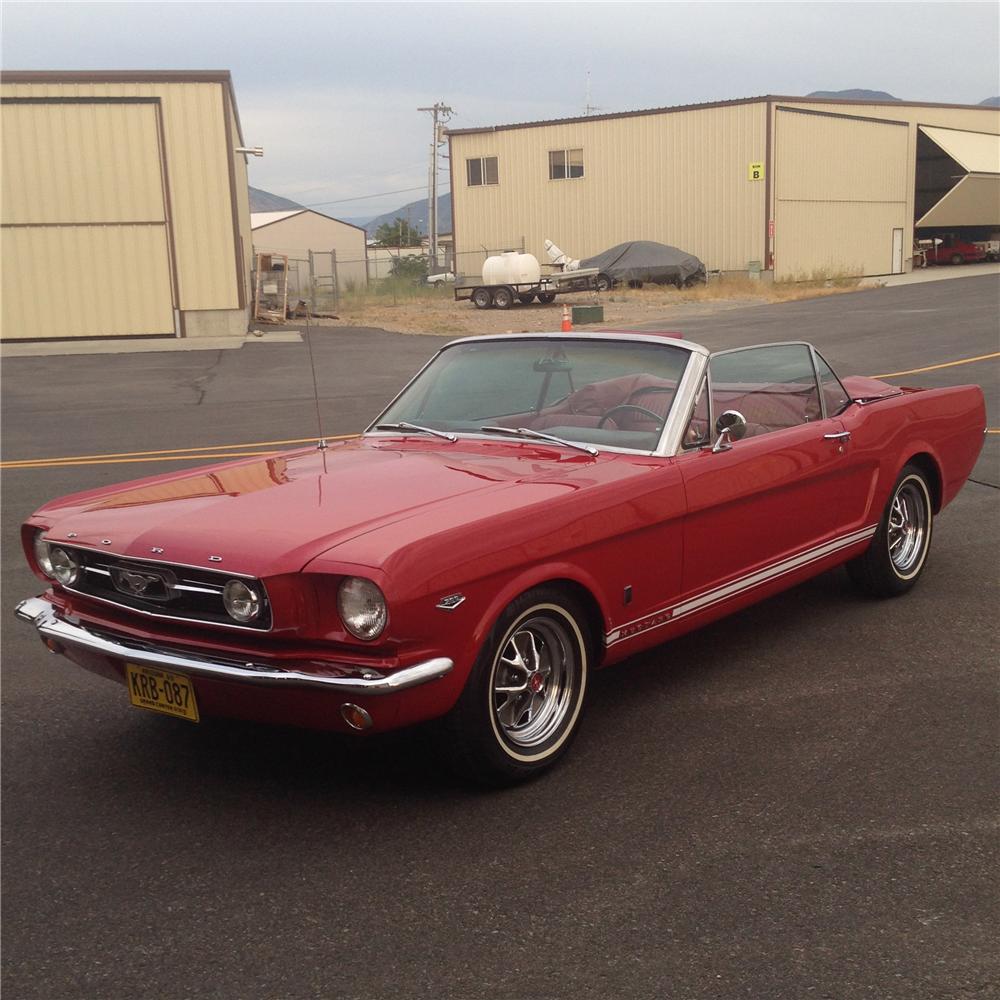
[(331, 90)]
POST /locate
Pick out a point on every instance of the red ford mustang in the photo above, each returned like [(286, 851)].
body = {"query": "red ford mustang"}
[(529, 508)]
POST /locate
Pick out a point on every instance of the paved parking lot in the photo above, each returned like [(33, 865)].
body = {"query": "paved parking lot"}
[(797, 801)]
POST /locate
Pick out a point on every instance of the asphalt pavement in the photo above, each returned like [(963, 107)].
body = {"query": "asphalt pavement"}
[(798, 801)]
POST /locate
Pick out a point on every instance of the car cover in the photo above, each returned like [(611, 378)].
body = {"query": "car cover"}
[(643, 260)]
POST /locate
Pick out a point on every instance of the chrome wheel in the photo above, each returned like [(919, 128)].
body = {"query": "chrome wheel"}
[(907, 527), (536, 679)]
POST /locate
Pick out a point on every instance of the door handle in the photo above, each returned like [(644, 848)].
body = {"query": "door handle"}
[(842, 436)]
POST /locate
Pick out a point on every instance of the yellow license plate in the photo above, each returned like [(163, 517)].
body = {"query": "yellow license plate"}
[(161, 691)]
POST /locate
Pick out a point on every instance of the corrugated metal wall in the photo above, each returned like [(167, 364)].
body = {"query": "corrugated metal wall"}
[(841, 187), (680, 178), (111, 169), (84, 237), (982, 119), (298, 234)]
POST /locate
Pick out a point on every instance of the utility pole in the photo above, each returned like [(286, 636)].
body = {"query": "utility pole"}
[(440, 114)]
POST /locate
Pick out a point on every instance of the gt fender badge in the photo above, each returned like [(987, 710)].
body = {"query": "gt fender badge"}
[(450, 602)]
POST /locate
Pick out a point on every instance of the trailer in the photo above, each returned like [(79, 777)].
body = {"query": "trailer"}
[(545, 289)]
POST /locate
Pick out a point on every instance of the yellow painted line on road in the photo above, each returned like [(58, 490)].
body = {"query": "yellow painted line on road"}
[(946, 364), (216, 451)]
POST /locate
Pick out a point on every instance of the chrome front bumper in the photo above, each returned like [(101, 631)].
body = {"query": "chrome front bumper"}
[(361, 680)]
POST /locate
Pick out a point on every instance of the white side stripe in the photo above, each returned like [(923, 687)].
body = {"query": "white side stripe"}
[(670, 613)]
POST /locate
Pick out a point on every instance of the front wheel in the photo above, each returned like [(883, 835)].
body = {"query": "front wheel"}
[(957, 258), (546, 298), (521, 705), (603, 283), (898, 552)]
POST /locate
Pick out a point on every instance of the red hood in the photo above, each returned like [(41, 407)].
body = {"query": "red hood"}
[(273, 515)]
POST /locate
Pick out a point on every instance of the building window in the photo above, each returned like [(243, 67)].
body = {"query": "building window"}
[(565, 163), (482, 170)]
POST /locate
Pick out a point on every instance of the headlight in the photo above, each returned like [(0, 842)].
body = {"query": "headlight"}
[(241, 600), (362, 607), (65, 569), (42, 554)]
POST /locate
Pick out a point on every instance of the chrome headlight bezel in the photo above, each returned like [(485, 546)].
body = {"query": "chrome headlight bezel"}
[(362, 608), (41, 549), (243, 601), (65, 568)]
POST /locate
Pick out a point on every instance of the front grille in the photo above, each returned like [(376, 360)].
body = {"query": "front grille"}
[(177, 592)]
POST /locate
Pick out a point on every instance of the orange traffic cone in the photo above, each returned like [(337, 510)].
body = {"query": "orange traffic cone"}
[(567, 325)]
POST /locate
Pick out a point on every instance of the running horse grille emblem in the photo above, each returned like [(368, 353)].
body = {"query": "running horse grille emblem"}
[(152, 586)]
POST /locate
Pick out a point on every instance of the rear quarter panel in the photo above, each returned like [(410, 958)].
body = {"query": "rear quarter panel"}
[(946, 424)]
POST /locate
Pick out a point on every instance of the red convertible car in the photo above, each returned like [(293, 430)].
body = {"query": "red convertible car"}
[(528, 509)]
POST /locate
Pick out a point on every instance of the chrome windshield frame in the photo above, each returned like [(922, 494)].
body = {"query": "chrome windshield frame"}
[(672, 431)]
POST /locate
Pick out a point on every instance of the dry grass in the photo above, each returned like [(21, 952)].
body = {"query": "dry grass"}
[(408, 308)]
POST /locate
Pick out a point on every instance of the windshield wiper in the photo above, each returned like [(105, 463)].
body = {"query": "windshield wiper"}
[(404, 426), (526, 432)]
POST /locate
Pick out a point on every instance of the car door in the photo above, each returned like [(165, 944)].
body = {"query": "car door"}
[(783, 490)]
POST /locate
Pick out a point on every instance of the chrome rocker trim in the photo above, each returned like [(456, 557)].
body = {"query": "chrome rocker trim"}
[(45, 617)]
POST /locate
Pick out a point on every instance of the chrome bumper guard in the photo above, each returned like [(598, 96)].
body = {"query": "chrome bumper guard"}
[(45, 617)]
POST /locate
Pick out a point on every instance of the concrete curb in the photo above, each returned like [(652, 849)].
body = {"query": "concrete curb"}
[(940, 272), (60, 348)]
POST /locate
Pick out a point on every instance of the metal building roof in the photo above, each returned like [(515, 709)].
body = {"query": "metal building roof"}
[(258, 219), (671, 109)]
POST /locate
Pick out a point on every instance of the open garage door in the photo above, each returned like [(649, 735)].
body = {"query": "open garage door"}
[(85, 232), (958, 178), (840, 195)]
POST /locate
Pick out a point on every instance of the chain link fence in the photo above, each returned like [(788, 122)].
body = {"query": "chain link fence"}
[(317, 280)]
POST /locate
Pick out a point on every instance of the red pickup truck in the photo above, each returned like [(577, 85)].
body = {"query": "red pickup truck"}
[(954, 251)]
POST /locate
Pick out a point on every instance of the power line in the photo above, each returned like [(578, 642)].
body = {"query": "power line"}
[(364, 197)]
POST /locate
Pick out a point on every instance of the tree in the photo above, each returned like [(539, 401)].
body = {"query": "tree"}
[(400, 234), (409, 268)]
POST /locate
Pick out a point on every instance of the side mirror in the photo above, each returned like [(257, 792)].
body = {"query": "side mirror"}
[(730, 427)]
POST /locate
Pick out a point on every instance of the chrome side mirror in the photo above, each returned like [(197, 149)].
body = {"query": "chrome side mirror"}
[(730, 427)]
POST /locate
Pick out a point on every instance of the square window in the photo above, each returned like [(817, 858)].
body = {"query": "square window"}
[(565, 164), (482, 170)]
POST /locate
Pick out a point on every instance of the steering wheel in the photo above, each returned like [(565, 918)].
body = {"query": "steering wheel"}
[(633, 408)]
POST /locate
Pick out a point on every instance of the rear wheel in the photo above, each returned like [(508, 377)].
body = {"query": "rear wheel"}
[(481, 298), (521, 705), (603, 283), (546, 297), (957, 258), (898, 552), (503, 298), (526, 298)]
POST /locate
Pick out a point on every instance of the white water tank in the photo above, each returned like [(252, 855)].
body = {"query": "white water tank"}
[(512, 268)]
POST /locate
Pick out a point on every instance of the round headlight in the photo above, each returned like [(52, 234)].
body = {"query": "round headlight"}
[(42, 554), (362, 608), (242, 601), (65, 569)]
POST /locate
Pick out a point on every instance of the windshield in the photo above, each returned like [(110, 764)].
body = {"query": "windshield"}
[(600, 392)]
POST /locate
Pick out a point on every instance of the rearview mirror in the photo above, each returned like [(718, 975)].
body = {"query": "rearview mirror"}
[(730, 427)]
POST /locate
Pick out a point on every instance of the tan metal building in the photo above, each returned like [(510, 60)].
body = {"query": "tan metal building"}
[(124, 206), (336, 247), (799, 187)]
